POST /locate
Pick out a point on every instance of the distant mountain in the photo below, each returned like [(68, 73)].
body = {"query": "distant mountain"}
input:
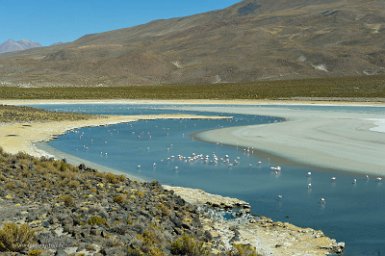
[(14, 46), (249, 41)]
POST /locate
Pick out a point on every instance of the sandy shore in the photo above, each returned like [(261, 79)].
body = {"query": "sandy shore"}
[(342, 140), (22, 137)]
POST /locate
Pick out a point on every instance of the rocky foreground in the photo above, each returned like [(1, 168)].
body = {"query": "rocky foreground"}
[(229, 221), (48, 207)]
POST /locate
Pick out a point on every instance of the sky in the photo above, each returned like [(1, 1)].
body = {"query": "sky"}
[(53, 21)]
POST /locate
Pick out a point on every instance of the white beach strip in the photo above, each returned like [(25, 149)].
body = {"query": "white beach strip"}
[(21, 137), (194, 102), (329, 139), (380, 125)]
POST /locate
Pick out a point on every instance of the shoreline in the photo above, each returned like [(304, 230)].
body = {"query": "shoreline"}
[(21, 137)]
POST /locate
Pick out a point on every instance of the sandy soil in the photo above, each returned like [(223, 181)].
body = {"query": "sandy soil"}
[(336, 140)]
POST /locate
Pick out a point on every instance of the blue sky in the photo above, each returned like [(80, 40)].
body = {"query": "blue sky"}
[(51, 21)]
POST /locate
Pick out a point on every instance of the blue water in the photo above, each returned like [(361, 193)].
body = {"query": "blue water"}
[(354, 213)]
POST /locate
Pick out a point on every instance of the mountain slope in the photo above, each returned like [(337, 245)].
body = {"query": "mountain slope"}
[(14, 46), (252, 40)]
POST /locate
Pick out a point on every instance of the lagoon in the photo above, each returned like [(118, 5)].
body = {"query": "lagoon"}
[(352, 213)]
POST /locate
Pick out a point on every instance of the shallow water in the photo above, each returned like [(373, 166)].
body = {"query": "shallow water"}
[(353, 213)]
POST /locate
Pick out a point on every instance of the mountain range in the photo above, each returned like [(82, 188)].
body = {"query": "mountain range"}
[(14, 46), (249, 41)]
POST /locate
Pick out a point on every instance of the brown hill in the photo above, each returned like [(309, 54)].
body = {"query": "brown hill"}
[(252, 40)]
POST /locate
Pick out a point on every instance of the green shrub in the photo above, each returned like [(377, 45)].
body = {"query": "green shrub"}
[(187, 245), (166, 211), (63, 166), (120, 199), (155, 251), (74, 184), (15, 238), (35, 252), (67, 200), (97, 220), (134, 252), (113, 178), (243, 250)]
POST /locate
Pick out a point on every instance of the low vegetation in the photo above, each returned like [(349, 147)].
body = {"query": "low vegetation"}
[(343, 87), (107, 214), (243, 250), (15, 238), (187, 245), (28, 114), (97, 221)]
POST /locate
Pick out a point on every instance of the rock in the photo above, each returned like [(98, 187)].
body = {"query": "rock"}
[(70, 250), (82, 167), (61, 252), (339, 247), (200, 197), (46, 224), (177, 222)]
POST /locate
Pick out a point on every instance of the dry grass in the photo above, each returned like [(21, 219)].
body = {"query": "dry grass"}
[(15, 238), (27, 114), (186, 245), (351, 87)]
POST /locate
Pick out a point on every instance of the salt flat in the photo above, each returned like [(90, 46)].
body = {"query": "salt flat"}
[(380, 125), (339, 140)]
